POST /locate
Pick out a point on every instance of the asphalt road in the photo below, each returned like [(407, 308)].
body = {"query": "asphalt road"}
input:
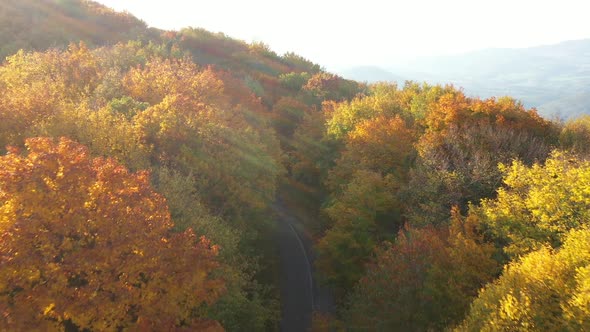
[(297, 285), (301, 295)]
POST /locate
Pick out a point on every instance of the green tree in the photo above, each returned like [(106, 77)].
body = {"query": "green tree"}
[(346, 247), (425, 280), (245, 305)]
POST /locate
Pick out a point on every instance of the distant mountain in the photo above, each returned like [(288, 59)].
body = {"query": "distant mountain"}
[(553, 78), (370, 74), (568, 107)]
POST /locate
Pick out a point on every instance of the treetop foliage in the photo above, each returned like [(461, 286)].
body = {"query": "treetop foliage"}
[(139, 170), (71, 252)]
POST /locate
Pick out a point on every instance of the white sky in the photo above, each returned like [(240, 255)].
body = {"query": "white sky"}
[(341, 33)]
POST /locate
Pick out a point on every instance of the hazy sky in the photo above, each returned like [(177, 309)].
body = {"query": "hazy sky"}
[(341, 33)]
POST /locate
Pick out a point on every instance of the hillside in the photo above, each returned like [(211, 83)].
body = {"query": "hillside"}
[(185, 180), (201, 127), (41, 24)]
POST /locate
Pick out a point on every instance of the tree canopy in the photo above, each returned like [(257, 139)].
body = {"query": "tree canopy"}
[(72, 254), (140, 170)]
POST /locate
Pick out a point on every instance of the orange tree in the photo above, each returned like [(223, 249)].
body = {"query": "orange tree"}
[(85, 245)]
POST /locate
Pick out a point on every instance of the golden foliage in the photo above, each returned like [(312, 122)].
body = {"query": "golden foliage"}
[(545, 290), (86, 242)]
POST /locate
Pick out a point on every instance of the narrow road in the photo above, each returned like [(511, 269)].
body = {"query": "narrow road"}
[(300, 294), (297, 289)]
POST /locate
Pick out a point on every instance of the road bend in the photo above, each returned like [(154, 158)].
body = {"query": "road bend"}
[(297, 285)]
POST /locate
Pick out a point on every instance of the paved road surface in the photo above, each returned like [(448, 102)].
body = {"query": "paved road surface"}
[(296, 277), (300, 294)]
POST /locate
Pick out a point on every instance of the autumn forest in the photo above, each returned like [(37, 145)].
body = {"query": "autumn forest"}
[(141, 169)]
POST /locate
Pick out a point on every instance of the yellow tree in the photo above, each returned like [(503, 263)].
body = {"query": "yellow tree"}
[(382, 145), (191, 127), (546, 290), (539, 204), (383, 100), (86, 244)]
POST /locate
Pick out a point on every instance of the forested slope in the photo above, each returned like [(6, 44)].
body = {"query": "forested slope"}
[(439, 206), (139, 168), (207, 116), (42, 24)]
